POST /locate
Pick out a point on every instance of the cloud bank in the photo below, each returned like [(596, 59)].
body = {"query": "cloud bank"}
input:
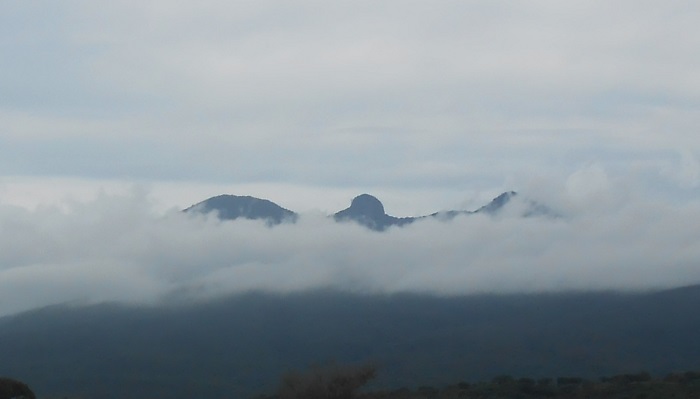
[(116, 248)]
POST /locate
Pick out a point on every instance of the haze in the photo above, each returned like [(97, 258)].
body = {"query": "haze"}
[(117, 248), (590, 107)]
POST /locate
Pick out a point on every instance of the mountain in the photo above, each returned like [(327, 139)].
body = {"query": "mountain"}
[(369, 212), (239, 346), (494, 207), (231, 207), (497, 204), (364, 209), (530, 208)]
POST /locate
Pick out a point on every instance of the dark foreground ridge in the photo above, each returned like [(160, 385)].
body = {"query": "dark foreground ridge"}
[(346, 382), (239, 346), (364, 209), (11, 388)]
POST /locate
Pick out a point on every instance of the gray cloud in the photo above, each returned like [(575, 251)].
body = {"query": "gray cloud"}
[(116, 248), (391, 94)]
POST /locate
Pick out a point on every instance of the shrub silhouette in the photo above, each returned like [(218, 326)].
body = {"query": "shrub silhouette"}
[(330, 382), (11, 388)]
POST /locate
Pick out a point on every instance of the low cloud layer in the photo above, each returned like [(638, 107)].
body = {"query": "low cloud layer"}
[(117, 248)]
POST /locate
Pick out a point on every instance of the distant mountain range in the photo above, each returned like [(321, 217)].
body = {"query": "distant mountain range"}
[(364, 209)]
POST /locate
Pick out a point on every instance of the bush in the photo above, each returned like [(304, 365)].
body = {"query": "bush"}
[(330, 382), (561, 381), (11, 388)]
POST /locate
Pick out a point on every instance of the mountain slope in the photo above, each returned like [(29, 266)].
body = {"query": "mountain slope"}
[(497, 204), (239, 346), (364, 209), (232, 207), (369, 212)]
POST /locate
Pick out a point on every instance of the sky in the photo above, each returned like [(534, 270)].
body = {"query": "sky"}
[(590, 106)]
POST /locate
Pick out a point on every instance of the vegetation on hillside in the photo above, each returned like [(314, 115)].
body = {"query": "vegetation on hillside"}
[(344, 383), (11, 388), (237, 347), (347, 381)]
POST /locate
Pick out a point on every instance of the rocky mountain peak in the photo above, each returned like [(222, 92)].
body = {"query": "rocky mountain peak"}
[(367, 205)]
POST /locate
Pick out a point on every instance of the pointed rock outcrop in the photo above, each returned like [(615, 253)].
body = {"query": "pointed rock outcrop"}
[(497, 204), (530, 207)]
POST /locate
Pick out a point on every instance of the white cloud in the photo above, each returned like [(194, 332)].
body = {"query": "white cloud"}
[(117, 248)]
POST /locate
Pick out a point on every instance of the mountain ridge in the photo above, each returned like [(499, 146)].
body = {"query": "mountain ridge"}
[(365, 210), (247, 340)]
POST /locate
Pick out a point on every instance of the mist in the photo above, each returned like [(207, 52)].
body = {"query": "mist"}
[(119, 248)]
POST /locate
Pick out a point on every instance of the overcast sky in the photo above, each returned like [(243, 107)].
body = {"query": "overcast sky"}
[(443, 101), (428, 105)]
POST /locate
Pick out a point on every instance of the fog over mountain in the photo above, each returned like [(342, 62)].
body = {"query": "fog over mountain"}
[(116, 248), (232, 207), (364, 209), (348, 159)]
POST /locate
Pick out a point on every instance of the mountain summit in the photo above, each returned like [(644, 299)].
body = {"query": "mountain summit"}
[(364, 209), (231, 207), (369, 212), (497, 203), (367, 205)]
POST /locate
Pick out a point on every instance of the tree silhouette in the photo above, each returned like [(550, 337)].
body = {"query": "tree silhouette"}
[(11, 388), (330, 382)]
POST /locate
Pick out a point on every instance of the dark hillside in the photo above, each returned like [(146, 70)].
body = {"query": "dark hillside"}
[(241, 345)]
